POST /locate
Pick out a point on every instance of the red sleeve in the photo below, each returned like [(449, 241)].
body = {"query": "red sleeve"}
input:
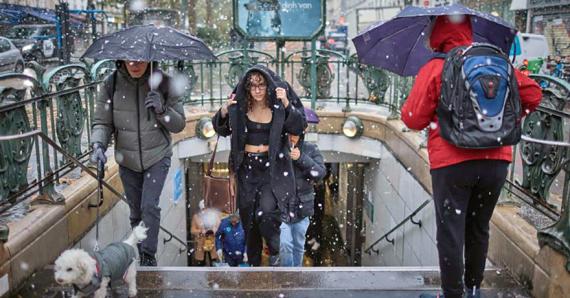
[(529, 91), (419, 109)]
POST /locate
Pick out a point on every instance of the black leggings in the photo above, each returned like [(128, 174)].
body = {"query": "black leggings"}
[(465, 195), (258, 208)]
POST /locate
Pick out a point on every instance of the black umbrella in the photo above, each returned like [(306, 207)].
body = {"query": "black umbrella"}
[(149, 43)]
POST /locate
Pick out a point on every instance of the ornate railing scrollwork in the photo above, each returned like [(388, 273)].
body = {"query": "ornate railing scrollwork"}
[(325, 75), (238, 66), (375, 80), (545, 152), (71, 113), (15, 155)]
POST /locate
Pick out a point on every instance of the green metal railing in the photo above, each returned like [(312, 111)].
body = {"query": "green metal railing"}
[(58, 104), (340, 79)]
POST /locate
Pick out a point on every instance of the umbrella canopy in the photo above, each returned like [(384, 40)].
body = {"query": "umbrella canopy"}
[(400, 45), (149, 43)]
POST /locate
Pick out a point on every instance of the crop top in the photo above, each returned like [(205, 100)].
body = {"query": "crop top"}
[(257, 133)]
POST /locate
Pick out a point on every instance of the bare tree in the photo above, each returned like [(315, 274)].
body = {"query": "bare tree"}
[(192, 15), (209, 12)]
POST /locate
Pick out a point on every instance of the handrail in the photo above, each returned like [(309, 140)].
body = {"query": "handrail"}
[(45, 138), (371, 249), (22, 103)]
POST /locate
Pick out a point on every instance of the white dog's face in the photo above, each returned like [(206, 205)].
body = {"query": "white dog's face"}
[(74, 266)]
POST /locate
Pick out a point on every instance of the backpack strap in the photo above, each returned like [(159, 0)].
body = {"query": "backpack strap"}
[(111, 85)]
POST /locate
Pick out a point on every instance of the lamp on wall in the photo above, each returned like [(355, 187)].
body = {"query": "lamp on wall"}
[(205, 128), (352, 127)]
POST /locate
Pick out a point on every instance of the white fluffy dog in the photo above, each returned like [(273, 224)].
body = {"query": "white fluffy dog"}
[(91, 274)]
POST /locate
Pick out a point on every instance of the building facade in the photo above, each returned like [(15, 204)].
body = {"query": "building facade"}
[(50, 4), (551, 18)]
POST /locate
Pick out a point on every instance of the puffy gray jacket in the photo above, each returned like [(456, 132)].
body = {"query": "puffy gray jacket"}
[(141, 137)]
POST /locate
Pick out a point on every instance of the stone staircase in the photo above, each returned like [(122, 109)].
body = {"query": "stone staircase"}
[(323, 282)]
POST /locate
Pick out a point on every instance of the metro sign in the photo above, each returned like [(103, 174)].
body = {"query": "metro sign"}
[(279, 19)]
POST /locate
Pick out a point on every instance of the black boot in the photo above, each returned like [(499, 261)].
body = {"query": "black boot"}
[(147, 260)]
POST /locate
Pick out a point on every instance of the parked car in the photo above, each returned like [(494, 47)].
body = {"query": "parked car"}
[(10, 57), (36, 41), (530, 50)]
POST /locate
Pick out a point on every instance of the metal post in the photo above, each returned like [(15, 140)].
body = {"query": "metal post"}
[(278, 46), (313, 73), (58, 16), (93, 22), (184, 10)]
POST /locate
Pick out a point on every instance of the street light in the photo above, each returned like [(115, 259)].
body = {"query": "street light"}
[(205, 128), (352, 127)]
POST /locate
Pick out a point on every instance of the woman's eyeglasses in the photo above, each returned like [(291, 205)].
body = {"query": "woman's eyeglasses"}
[(260, 87)]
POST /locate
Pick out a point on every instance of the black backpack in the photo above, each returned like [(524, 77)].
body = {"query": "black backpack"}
[(480, 104)]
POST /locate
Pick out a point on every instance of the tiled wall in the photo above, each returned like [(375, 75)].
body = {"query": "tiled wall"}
[(394, 194)]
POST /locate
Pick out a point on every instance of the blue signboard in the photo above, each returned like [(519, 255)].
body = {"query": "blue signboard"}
[(177, 187), (279, 19)]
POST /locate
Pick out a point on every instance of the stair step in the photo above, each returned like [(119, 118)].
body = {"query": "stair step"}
[(287, 282)]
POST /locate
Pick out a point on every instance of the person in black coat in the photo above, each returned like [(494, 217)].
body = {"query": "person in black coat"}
[(259, 118), (309, 167)]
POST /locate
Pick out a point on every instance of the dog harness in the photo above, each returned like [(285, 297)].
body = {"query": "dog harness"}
[(112, 262)]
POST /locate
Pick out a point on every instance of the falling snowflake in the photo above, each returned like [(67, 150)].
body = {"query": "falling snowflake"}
[(433, 125), (24, 266)]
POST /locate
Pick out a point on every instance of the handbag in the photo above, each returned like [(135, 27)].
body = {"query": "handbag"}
[(217, 189)]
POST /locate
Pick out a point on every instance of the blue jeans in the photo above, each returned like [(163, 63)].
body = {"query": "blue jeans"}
[(292, 247)]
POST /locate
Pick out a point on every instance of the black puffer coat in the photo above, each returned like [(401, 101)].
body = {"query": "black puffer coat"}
[(309, 168), (285, 121)]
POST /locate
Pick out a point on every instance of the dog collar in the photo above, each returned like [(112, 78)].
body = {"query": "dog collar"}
[(93, 285)]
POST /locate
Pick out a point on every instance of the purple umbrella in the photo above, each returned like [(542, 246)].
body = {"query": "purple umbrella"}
[(311, 116), (400, 45)]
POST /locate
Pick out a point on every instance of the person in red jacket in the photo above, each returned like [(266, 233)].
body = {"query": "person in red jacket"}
[(466, 182)]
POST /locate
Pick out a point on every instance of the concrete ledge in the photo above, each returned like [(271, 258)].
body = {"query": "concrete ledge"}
[(38, 238), (514, 244)]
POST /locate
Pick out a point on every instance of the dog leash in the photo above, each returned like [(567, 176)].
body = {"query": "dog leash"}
[(100, 176)]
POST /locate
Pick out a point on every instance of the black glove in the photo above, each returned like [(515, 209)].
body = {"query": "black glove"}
[(98, 153), (154, 100)]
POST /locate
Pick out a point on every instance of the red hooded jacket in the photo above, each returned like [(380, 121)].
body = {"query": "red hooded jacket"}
[(419, 109)]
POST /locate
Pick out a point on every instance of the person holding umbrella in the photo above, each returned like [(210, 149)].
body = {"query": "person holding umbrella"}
[(142, 144), (140, 108), (466, 182), (472, 99)]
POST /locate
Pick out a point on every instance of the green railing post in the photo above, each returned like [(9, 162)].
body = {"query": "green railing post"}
[(47, 188), (558, 235)]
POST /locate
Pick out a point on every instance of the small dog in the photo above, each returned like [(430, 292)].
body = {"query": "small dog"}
[(90, 274)]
